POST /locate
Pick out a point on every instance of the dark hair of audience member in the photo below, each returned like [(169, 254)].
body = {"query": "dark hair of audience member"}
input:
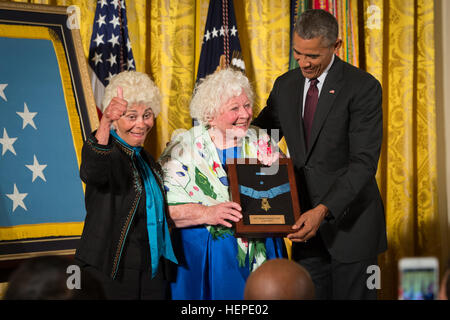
[(45, 278)]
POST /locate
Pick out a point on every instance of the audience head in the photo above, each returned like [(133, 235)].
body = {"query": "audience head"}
[(279, 279), (444, 291), (46, 278)]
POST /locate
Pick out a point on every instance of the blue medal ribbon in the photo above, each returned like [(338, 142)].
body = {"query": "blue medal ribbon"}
[(271, 193)]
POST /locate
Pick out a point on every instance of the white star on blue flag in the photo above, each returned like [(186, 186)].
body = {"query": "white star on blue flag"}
[(39, 170), (220, 38)]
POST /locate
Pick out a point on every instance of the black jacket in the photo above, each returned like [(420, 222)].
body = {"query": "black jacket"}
[(115, 225)]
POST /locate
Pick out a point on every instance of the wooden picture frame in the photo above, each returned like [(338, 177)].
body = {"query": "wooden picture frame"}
[(268, 197), (47, 106)]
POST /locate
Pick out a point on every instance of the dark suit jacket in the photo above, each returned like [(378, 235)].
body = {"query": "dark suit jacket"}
[(338, 170)]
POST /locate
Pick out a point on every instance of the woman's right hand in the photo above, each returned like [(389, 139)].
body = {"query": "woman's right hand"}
[(116, 108), (195, 214), (114, 111), (220, 213)]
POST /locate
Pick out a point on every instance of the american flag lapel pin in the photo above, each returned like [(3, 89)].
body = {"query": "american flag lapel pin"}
[(332, 91)]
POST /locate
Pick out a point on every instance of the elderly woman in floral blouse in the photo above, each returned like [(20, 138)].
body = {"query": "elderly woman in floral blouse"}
[(213, 264)]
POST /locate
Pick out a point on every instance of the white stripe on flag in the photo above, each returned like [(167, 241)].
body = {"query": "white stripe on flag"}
[(98, 88)]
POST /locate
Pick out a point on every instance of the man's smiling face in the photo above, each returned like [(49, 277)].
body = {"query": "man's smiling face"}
[(312, 56)]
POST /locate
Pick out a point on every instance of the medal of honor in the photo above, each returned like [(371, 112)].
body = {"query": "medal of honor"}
[(265, 204)]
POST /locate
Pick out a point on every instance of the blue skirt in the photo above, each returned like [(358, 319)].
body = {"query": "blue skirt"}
[(208, 269)]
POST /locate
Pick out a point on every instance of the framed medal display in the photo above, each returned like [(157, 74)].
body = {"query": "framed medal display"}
[(268, 197), (44, 74)]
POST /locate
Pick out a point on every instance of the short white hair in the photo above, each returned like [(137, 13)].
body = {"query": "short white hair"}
[(216, 89), (137, 87)]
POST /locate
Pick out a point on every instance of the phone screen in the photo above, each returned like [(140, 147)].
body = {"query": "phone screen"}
[(418, 284)]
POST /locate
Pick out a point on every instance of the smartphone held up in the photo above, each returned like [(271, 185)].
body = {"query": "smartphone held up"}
[(418, 278)]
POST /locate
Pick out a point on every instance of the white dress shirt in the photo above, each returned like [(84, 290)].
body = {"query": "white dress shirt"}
[(321, 79)]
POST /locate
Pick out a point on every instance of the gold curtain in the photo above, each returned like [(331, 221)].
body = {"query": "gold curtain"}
[(166, 38), (399, 50)]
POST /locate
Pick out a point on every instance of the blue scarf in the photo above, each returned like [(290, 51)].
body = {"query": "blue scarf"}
[(224, 154), (157, 229)]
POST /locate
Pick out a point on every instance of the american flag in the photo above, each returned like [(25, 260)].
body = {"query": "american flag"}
[(220, 38), (110, 49)]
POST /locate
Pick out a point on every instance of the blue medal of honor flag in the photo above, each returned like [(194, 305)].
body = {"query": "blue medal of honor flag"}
[(39, 171)]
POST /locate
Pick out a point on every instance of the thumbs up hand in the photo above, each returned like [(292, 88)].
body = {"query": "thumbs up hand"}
[(116, 108), (114, 111)]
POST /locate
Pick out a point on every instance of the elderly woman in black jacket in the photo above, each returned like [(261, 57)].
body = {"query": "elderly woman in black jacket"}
[(125, 241)]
